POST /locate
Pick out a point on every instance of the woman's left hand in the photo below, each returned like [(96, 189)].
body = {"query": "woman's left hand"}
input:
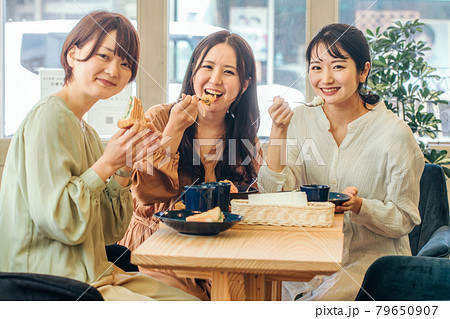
[(353, 204)]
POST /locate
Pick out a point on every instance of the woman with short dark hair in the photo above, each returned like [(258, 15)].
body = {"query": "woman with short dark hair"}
[(63, 196)]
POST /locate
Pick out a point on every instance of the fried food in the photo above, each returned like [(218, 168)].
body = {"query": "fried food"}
[(207, 100), (233, 189), (210, 216)]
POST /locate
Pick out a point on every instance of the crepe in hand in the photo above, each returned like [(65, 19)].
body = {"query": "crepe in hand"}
[(133, 113)]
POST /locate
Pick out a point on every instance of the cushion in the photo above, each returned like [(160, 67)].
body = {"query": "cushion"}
[(438, 245)]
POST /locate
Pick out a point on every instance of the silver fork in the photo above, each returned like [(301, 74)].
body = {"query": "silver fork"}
[(199, 98), (308, 104), (248, 188)]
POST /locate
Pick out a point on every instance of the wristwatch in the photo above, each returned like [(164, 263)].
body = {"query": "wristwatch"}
[(123, 173)]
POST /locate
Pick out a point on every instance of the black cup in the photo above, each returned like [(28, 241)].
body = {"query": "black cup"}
[(316, 193), (199, 198), (221, 194)]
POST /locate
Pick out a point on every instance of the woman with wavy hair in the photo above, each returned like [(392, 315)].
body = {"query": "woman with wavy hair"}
[(201, 143)]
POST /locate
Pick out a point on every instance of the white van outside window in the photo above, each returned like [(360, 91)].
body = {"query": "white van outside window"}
[(29, 46)]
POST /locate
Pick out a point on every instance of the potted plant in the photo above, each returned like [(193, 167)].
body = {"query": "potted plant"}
[(401, 76)]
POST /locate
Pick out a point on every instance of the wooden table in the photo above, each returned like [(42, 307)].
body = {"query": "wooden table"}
[(247, 262)]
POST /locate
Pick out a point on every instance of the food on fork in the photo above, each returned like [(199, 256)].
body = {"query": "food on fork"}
[(317, 100), (207, 100), (133, 113), (210, 216), (233, 189)]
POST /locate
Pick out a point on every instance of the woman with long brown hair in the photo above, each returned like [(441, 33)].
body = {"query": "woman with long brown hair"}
[(201, 143)]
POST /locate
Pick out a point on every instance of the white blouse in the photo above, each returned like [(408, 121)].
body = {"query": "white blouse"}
[(380, 157)]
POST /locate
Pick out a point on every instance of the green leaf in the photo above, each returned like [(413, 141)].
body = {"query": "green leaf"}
[(444, 161), (428, 117), (410, 117), (420, 109), (440, 156), (432, 156), (431, 134)]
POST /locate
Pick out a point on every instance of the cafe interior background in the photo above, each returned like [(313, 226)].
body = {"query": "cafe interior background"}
[(32, 33)]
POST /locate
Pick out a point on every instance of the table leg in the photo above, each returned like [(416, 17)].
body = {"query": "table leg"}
[(273, 290), (237, 286), (255, 287)]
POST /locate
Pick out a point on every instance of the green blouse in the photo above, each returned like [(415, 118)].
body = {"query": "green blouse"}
[(56, 214)]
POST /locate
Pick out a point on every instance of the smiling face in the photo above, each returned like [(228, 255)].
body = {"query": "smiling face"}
[(101, 76), (217, 75), (334, 79)]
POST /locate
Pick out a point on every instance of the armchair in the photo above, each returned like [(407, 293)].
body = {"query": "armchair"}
[(432, 237), (407, 278), (417, 277), (40, 287)]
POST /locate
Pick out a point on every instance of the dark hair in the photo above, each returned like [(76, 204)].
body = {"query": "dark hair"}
[(241, 120), (96, 25), (337, 37)]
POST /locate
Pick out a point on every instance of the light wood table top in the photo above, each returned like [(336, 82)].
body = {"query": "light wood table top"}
[(251, 255)]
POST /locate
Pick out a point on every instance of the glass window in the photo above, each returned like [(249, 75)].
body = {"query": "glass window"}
[(367, 14), (34, 32), (275, 29)]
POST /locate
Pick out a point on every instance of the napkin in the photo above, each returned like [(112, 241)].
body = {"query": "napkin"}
[(281, 198)]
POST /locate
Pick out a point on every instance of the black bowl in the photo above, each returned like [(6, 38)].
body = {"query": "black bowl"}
[(315, 192), (177, 220), (338, 198), (242, 194)]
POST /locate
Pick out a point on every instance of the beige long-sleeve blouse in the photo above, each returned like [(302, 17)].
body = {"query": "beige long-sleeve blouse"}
[(161, 187), (56, 213), (379, 156)]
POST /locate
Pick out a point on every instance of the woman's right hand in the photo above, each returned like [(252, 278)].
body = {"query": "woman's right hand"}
[(183, 113), (281, 114)]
